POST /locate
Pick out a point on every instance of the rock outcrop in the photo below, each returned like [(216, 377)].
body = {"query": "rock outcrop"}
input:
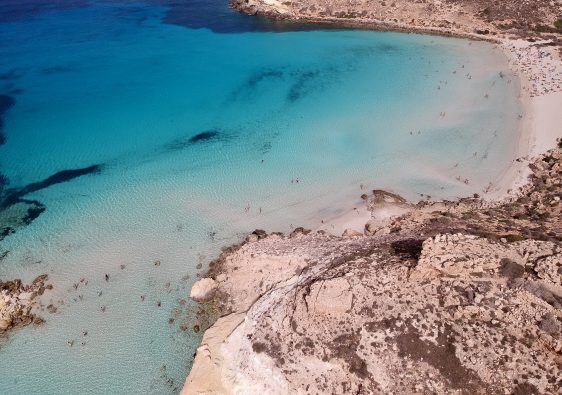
[(460, 17), (17, 301), (202, 290), (455, 297)]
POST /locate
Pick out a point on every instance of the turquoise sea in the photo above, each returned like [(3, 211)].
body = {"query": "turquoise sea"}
[(137, 138)]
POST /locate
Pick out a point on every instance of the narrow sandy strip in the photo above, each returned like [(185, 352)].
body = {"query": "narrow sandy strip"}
[(540, 73)]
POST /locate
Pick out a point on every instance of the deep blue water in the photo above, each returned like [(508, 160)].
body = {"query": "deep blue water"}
[(133, 132)]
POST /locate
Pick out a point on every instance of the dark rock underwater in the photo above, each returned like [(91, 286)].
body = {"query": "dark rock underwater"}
[(15, 211)]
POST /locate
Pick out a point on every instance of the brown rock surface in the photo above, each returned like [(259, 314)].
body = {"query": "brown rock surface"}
[(17, 301), (463, 17)]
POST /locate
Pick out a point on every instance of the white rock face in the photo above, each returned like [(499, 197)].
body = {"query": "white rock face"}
[(203, 290), (310, 313)]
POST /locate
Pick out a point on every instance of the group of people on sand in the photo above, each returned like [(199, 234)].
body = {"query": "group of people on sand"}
[(540, 67)]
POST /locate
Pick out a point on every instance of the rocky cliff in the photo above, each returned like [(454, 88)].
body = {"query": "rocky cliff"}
[(451, 297), (464, 17)]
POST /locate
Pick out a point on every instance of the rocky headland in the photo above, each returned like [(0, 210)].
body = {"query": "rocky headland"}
[(431, 297), (474, 18), (450, 297)]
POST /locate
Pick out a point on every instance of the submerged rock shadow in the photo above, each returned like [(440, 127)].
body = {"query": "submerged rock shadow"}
[(6, 102), (257, 79), (16, 212), (10, 75), (15, 195), (16, 11), (304, 83), (55, 70), (300, 83), (206, 136)]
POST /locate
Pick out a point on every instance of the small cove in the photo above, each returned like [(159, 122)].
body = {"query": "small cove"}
[(201, 130)]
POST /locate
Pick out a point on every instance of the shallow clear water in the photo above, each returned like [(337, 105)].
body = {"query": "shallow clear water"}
[(201, 120)]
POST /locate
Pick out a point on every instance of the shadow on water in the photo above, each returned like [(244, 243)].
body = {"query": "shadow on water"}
[(13, 196), (204, 136), (18, 10), (10, 75), (15, 211), (300, 83), (215, 15), (6, 102), (304, 83), (260, 76), (207, 136), (247, 89), (55, 70)]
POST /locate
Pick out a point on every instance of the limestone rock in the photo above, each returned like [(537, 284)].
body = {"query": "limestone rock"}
[(332, 297), (438, 304), (316, 311), (252, 238), (203, 290)]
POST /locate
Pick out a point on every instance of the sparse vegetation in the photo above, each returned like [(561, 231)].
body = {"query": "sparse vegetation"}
[(556, 28), (545, 29)]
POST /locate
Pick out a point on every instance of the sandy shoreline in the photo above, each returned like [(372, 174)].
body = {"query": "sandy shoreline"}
[(539, 134), (538, 131)]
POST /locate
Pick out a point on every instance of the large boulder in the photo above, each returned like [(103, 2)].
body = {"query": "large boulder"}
[(203, 290)]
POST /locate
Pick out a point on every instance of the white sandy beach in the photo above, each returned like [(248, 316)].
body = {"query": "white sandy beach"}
[(540, 74)]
